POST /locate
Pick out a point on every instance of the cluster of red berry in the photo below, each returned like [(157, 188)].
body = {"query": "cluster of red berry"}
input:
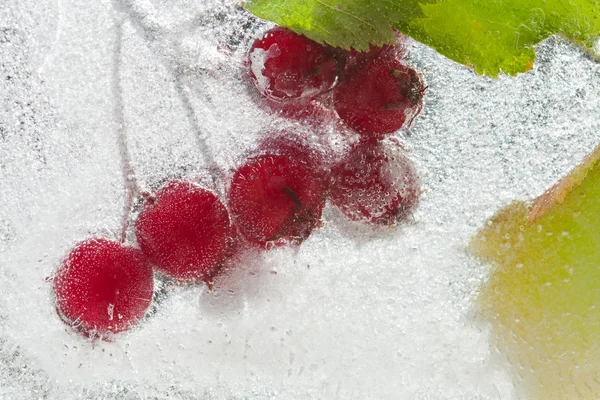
[(186, 232), (373, 92)]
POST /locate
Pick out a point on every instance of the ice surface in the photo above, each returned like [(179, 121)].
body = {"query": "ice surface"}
[(345, 316)]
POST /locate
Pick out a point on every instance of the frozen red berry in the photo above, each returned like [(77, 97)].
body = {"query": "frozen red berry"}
[(289, 69), (103, 287), (185, 231), (376, 97), (392, 51), (275, 197), (375, 183), (297, 147)]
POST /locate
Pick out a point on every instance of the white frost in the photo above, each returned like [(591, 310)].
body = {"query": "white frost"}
[(345, 316), (258, 58)]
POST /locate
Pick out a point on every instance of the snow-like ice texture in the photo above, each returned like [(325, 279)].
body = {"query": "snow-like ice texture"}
[(344, 316)]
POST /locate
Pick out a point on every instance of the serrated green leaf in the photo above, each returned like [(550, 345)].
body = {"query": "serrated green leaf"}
[(543, 297), (492, 36), (495, 36), (342, 23)]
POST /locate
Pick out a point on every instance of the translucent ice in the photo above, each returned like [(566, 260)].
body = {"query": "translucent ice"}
[(345, 315)]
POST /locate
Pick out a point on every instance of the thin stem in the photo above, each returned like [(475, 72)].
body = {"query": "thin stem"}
[(129, 179), (155, 35), (193, 119)]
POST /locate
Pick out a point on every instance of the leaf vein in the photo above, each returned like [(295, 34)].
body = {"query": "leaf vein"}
[(348, 14)]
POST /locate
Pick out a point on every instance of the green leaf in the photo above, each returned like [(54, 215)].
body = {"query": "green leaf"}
[(342, 23), (543, 297), (499, 35), (492, 36)]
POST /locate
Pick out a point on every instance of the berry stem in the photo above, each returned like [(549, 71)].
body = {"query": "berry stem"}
[(129, 179), (164, 44), (193, 119), (293, 196)]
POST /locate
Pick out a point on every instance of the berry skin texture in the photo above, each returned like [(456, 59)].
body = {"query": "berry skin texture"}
[(275, 197), (185, 231), (375, 183), (298, 148), (289, 68), (376, 97), (390, 51), (103, 287)]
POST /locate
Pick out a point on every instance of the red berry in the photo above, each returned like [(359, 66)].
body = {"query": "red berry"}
[(291, 69), (276, 197), (392, 51), (185, 231), (375, 183), (103, 287), (297, 148), (377, 97)]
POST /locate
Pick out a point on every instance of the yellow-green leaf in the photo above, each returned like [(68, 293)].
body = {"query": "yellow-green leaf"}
[(500, 35), (341, 23), (543, 297)]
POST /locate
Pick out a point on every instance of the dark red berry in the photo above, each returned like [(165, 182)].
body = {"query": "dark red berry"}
[(275, 197), (377, 97), (291, 69), (394, 51), (375, 183), (185, 231), (103, 287)]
